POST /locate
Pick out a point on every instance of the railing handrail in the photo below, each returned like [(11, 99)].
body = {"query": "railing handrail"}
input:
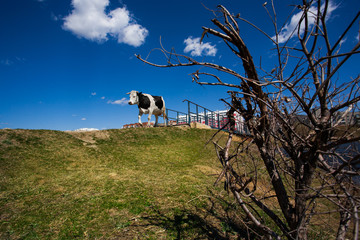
[(198, 105), (168, 109)]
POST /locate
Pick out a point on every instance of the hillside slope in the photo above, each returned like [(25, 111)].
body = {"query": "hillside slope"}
[(128, 183)]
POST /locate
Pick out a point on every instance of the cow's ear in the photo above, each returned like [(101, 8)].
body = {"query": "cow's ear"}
[(139, 93), (128, 93)]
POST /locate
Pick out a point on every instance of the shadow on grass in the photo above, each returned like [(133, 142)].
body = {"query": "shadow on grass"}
[(217, 219)]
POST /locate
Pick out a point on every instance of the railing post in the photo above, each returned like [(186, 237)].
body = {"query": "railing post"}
[(218, 120), (212, 119), (205, 115), (189, 113), (197, 113)]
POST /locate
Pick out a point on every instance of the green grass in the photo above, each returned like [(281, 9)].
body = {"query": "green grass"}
[(113, 184), (151, 183)]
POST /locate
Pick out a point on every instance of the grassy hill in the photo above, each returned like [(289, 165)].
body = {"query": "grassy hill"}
[(114, 184)]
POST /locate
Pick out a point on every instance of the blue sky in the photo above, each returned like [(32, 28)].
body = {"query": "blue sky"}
[(68, 64)]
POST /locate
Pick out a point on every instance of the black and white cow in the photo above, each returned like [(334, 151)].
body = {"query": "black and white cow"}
[(152, 105)]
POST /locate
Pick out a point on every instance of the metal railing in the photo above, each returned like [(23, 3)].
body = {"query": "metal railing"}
[(202, 114), (178, 119), (214, 119), (197, 113)]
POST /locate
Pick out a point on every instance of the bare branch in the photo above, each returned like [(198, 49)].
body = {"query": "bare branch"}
[(294, 113)]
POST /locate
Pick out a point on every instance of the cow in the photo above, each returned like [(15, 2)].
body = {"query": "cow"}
[(147, 104)]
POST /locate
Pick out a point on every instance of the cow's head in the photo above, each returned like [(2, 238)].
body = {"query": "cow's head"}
[(134, 97)]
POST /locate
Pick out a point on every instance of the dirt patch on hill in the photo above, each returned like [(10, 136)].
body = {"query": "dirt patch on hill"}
[(12, 138), (90, 137), (208, 170)]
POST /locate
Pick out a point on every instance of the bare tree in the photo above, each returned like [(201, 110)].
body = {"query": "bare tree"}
[(295, 114)]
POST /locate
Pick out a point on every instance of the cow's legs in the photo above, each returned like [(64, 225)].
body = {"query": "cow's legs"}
[(165, 117), (140, 114), (149, 119), (156, 120)]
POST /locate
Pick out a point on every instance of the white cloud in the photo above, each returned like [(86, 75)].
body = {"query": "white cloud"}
[(54, 17), (89, 20), (93, 94), (12, 61), (86, 129), (291, 28), (133, 35), (196, 48), (6, 62), (121, 102), (343, 41), (83, 119)]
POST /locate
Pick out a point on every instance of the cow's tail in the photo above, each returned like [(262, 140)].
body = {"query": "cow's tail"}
[(165, 116)]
